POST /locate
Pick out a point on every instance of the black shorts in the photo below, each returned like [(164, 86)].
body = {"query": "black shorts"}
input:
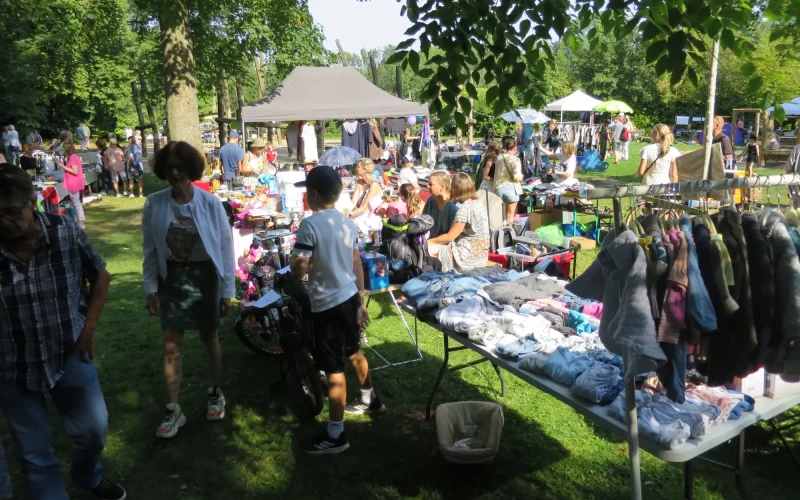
[(336, 335)]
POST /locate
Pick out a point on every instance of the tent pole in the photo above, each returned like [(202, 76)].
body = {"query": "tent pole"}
[(562, 116), (243, 138)]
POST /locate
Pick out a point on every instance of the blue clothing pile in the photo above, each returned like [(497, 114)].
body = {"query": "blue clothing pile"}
[(432, 290)]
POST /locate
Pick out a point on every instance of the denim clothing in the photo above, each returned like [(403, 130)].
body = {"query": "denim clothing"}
[(79, 401), (698, 303), (600, 383), (711, 413), (5, 479), (426, 291), (534, 362), (747, 404), (564, 367), (669, 433), (673, 373)]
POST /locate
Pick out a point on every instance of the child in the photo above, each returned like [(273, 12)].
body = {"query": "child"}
[(751, 153), (409, 205), (272, 157), (326, 251)]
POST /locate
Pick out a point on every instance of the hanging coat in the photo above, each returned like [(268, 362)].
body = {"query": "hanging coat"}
[(351, 134), (376, 145)]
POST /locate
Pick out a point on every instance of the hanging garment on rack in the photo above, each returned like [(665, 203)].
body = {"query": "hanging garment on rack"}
[(309, 137), (698, 304), (351, 134), (394, 126), (762, 287), (783, 350), (365, 140), (619, 279), (377, 144)]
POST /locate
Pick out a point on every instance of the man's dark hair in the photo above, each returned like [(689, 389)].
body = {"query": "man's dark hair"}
[(509, 144), (753, 137), (15, 183), (180, 156)]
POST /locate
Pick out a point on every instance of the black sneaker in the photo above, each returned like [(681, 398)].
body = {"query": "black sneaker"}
[(358, 408), (109, 491), (326, 445)]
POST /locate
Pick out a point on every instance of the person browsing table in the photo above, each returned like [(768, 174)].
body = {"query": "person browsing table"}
[(507, 178), (438, 205)]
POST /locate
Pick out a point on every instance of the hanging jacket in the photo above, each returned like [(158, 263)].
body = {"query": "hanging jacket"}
[(762, 286), (698, 304), (351, 132), (618, 277), (784, 346)]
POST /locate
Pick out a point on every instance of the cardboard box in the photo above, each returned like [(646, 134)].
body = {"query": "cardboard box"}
[(543, 217), (754, 385), (777, 388), (582, 243)]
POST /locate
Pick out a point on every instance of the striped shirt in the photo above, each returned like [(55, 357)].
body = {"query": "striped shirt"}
[(43, 303)]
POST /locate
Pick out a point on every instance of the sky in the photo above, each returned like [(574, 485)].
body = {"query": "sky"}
[(358, 25)]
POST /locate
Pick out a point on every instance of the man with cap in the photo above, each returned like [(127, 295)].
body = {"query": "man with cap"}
[(232, 157), (326, 250)]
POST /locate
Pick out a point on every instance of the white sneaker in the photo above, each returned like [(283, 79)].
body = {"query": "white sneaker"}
[(173, 421), (119, 195), (216, 404), (131, 196)]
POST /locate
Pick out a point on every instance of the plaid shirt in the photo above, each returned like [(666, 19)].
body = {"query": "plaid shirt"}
[(43, 303)]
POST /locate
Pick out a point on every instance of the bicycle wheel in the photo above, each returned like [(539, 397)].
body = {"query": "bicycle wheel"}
[(256, 332), (302, 369)]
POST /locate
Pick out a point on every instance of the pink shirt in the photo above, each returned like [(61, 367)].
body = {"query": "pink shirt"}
[(74, 183), (397, 207)]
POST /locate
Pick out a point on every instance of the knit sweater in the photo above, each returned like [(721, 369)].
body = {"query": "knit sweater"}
[(618, 277), (784, 346)]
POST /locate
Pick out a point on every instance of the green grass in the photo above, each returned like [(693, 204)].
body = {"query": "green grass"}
[(548, 451)]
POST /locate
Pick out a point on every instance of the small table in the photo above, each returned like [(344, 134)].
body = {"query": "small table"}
[(414, 338)]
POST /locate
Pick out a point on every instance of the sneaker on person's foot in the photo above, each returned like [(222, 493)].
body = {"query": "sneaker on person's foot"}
[(173, 421), (326, 445), (131, 196), (216, 404), (119, 195), (109, 491), (358, 408)]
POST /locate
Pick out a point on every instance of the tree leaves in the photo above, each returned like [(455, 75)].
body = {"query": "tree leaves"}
[(747, 69), (755, 84)]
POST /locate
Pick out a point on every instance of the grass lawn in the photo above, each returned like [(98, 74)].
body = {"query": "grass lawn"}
[(548, 451)]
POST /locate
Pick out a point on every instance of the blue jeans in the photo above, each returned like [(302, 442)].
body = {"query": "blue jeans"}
[(80, 404)]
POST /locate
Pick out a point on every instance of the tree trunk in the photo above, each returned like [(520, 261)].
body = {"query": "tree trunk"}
[(183, 119), (223, 106), (138, 104), (320, 130), (342, 57), (259, 77), (374, 67), (239, 103), (151, 114)]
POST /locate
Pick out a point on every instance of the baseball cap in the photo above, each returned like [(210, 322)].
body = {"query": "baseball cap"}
[(234, 134), (324, 180)]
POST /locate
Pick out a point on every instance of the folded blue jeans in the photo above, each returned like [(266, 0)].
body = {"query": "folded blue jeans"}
[(517, 350), (79, 401), (564, 367)]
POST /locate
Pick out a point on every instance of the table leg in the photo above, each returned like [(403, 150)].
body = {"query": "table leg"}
[(405, 323), (688, 480), (439, 377), (739, 471), (502, 380), (597, 223)]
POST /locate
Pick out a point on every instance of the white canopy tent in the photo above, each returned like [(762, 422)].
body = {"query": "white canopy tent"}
[(525, 116), (576, 101)]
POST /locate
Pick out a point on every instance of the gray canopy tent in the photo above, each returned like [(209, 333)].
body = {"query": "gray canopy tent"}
[(328, 93)]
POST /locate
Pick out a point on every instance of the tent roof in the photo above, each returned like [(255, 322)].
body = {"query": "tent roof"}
[(329, 93), (576, 101), (792, 108)]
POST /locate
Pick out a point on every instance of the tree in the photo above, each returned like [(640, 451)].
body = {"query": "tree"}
[(509, 39)]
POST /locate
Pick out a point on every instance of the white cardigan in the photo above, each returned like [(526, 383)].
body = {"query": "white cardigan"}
[(212, 224)]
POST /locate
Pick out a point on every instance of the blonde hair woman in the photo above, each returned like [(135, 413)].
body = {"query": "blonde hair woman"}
[(367, 197), (658, 159), (466, 245), (438, 205)]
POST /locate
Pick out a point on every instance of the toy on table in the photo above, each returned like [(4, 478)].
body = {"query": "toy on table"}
[(376, 273)]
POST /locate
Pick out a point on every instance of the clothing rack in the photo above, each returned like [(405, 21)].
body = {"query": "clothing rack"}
[(706, 186)]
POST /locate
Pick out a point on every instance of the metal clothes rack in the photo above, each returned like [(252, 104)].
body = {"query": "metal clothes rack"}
[(705, 186)]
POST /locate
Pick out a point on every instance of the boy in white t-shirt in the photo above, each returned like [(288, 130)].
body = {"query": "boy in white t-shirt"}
[(407, 175), (326, 251)]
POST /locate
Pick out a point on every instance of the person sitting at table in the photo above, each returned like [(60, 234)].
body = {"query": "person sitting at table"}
[(253, 160), (564, 173), (407, 174), (466, 245), (438, 205), (367, 198)]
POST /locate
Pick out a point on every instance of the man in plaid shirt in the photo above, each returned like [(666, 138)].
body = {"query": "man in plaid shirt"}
[(53, 286)]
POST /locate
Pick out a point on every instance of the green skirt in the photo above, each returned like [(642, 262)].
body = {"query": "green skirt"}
[(189, 296)]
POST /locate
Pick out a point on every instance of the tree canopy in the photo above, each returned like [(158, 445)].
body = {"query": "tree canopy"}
[(510, 41)]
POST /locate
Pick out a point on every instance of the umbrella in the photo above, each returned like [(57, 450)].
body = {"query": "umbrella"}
[(339, 156), (525, 116), (613, 107)]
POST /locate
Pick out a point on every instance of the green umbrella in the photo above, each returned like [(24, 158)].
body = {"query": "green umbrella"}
[(613, 107)]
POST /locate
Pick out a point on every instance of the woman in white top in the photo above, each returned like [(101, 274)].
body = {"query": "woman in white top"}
[(188, 272), (253, 160), (407, 175), (658, 159), (367, 198), (565, 173)]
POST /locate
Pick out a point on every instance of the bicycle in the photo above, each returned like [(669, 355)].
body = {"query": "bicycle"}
[(280, 329)]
